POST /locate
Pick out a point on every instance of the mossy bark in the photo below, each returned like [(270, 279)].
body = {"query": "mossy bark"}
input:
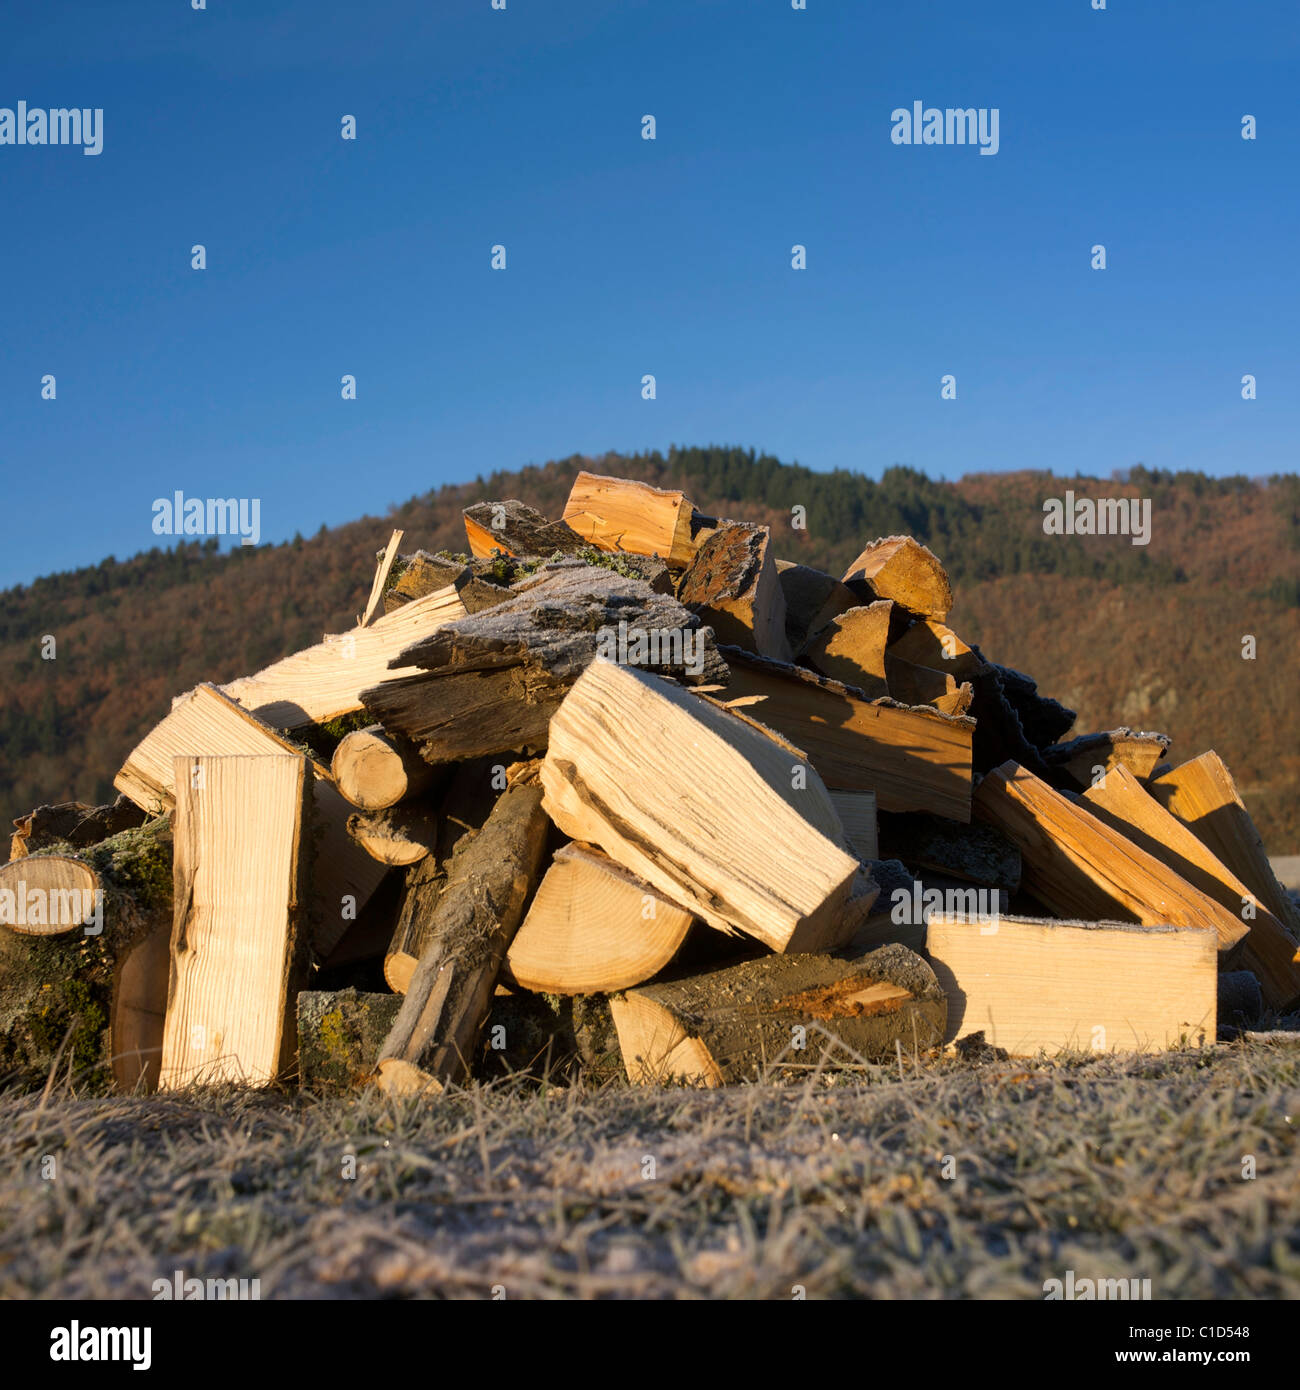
[(339, 1037), (59, 996)]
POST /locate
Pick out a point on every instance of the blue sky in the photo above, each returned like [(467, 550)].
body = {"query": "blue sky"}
[(626, 256)]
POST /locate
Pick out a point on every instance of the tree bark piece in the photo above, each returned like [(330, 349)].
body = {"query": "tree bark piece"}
[(73, 823), (48, 895), (1125, 805), (514, 528), (732, 584), (238, 952), (1077, 866), (851, 648), (205, 721), (618, 514), (491, 682), (339, 1037), (707, 809), (900, 568), (593, 928), (477, 915), (399, 837), (1092, 986), (1202, 794), (812, 599), (1075, 764), (731, 1025), (913, 759), (978, 853), (423, 574), (325, 681), (386, 559), (87, 999), (375, 769)]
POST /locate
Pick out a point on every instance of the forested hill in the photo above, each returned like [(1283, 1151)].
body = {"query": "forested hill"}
[(1145, 635)]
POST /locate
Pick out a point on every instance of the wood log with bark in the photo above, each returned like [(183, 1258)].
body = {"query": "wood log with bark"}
[(514, 528), (374, 769), (618, 514), (900, 568), (733, 586)]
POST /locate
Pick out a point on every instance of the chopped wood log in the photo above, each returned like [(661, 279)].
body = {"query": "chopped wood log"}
[(375, 769), (617, 514), (1077, 866), (857, 813), (325, 681), (733, 1024), (514, 528), (977, 853), (593, 928), (732, 584), (1093, 986), (1127, 806), (73, 823), (890, 919), (237, 940), (812, 599), (718, 817), (383, 568), (449, 995), (90, 1002), (491, 682), (205, 721), (473, 792), (399, 836), (1079, 763), (900, 568), (929, 642), (48, 895), (551, 1036), (1202, 794), (423, 574), (913, 759), (339, 1037), (920, 685), (851, 648), (1240, 998)]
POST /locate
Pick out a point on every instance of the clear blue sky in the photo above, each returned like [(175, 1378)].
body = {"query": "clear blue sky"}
[(626, 256)]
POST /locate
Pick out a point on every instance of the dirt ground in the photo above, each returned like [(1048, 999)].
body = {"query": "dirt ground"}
[(942, 1179)]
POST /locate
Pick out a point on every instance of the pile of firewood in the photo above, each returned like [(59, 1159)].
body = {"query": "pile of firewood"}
[(627, 786)]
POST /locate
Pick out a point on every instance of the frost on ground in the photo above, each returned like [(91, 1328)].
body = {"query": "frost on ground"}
[(937, 1180)]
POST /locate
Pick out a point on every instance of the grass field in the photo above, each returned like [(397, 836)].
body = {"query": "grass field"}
[(944, 1179)]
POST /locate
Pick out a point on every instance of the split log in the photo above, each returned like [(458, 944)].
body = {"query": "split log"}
[(72, 823), (618, 514), (902, 569), (204, 721), (812, 599), (375, 769), (91, 1001), (857, 813), (491, 683), (733, 1024), (515, 528), (238, 945), (437, 1028), (891, 918), (1126, 806), (325, 681), (910, 684), (473, 792), (423, 574), (1077, 866), (1079, 763), (702, 805), (593, 928), (732, 584), (1202, 794), (399, 836), (978, 853), (851, 648), (1093, 986), (385, 560), (339, 1037), (929, 642), (913, 759)]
